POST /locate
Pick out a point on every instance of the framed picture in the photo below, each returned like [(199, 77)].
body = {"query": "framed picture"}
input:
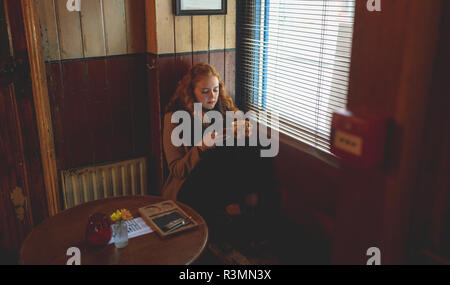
[(199, 7)]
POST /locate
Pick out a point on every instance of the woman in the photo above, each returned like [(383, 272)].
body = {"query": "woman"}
[(203, 175)]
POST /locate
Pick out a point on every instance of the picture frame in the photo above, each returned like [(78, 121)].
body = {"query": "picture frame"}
[(199, 7)]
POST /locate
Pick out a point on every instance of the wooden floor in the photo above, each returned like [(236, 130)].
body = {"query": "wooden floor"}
[(295, 247)]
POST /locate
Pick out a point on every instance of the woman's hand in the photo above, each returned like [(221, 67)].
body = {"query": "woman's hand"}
[(246, 125), (210, 139)]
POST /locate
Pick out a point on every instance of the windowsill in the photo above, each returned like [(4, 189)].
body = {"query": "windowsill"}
[(324, 157), (327, 158)]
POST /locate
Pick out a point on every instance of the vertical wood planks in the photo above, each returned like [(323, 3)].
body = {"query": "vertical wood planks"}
[(217, 59), (135, 15), (230, 73), (200, 33), (99, 99), (69, 31), (140, 105), (165, 27), (103, 27), (230, 43), (92, 28), (49, 30), (183, 45), (217, 43), (216, 32), (121, 100), (150, 24), (230, 25), (115, 27), (183, 34), (76, 120)]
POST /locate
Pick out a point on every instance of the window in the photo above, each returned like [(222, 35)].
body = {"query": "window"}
[(294, 59)]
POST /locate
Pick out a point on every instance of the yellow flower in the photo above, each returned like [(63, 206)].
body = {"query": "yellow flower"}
[(126, 215), (123, 214), (116, 216)]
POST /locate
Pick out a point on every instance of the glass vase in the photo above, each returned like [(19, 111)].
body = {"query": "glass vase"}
[(120, 234)]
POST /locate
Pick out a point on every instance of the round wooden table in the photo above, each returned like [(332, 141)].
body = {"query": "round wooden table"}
[(48, 243)]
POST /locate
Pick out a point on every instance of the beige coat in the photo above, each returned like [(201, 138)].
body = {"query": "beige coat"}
[(180, 160)]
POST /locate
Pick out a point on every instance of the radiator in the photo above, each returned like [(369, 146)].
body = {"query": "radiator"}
[(97, 182)]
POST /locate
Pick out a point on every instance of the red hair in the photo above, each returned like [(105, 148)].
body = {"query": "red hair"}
[(184, 98)]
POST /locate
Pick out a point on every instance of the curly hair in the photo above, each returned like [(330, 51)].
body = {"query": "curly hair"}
[(184, 98)]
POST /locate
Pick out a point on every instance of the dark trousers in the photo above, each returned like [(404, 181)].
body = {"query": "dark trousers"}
[(225, 175)]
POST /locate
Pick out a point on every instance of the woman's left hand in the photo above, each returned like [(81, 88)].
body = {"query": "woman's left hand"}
[(248, 129)]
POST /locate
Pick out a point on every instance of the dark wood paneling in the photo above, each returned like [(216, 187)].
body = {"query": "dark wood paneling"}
[(15, 22), (56, 97), (76, 121), (140, 106), (167, 82), (156, 155), (217, 59), (230, 73), (99, 109), (390, 76), (32, 154), (431, 217), (121, 109), (20, 163), (102, 121), (182, 65), (200, 58), (12, 233)]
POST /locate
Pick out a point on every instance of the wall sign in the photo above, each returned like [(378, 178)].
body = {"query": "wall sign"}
[(199, 7)]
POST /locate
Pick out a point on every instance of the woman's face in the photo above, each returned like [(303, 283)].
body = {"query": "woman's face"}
[(206, 91)]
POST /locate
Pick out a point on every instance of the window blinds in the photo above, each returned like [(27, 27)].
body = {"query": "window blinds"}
[(293, 59)]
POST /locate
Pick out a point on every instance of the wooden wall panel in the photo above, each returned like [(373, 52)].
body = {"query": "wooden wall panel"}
[(183, 34), (100, 110), (92, 27), (139, 106), (100, 99), (167, 81), (55, 95), (217, 59), (230, 25), (156, 154), (165, 27), (135, 15), (103, 27), (118, 91), (76, 120), (69, 31), (182, 65), (115, 27), (13, 231), (150, 26), (216, 32), (230, 73), (200, 57), (32, 155), (400, 49), (49, 29), (200, 31)]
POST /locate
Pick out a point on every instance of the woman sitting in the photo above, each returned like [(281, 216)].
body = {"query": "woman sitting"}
[(217, 181)]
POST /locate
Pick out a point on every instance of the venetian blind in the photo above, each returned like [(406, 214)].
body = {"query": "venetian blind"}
[(293, 59)]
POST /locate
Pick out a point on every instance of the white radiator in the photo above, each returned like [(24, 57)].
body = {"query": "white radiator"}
[(113, 180)]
